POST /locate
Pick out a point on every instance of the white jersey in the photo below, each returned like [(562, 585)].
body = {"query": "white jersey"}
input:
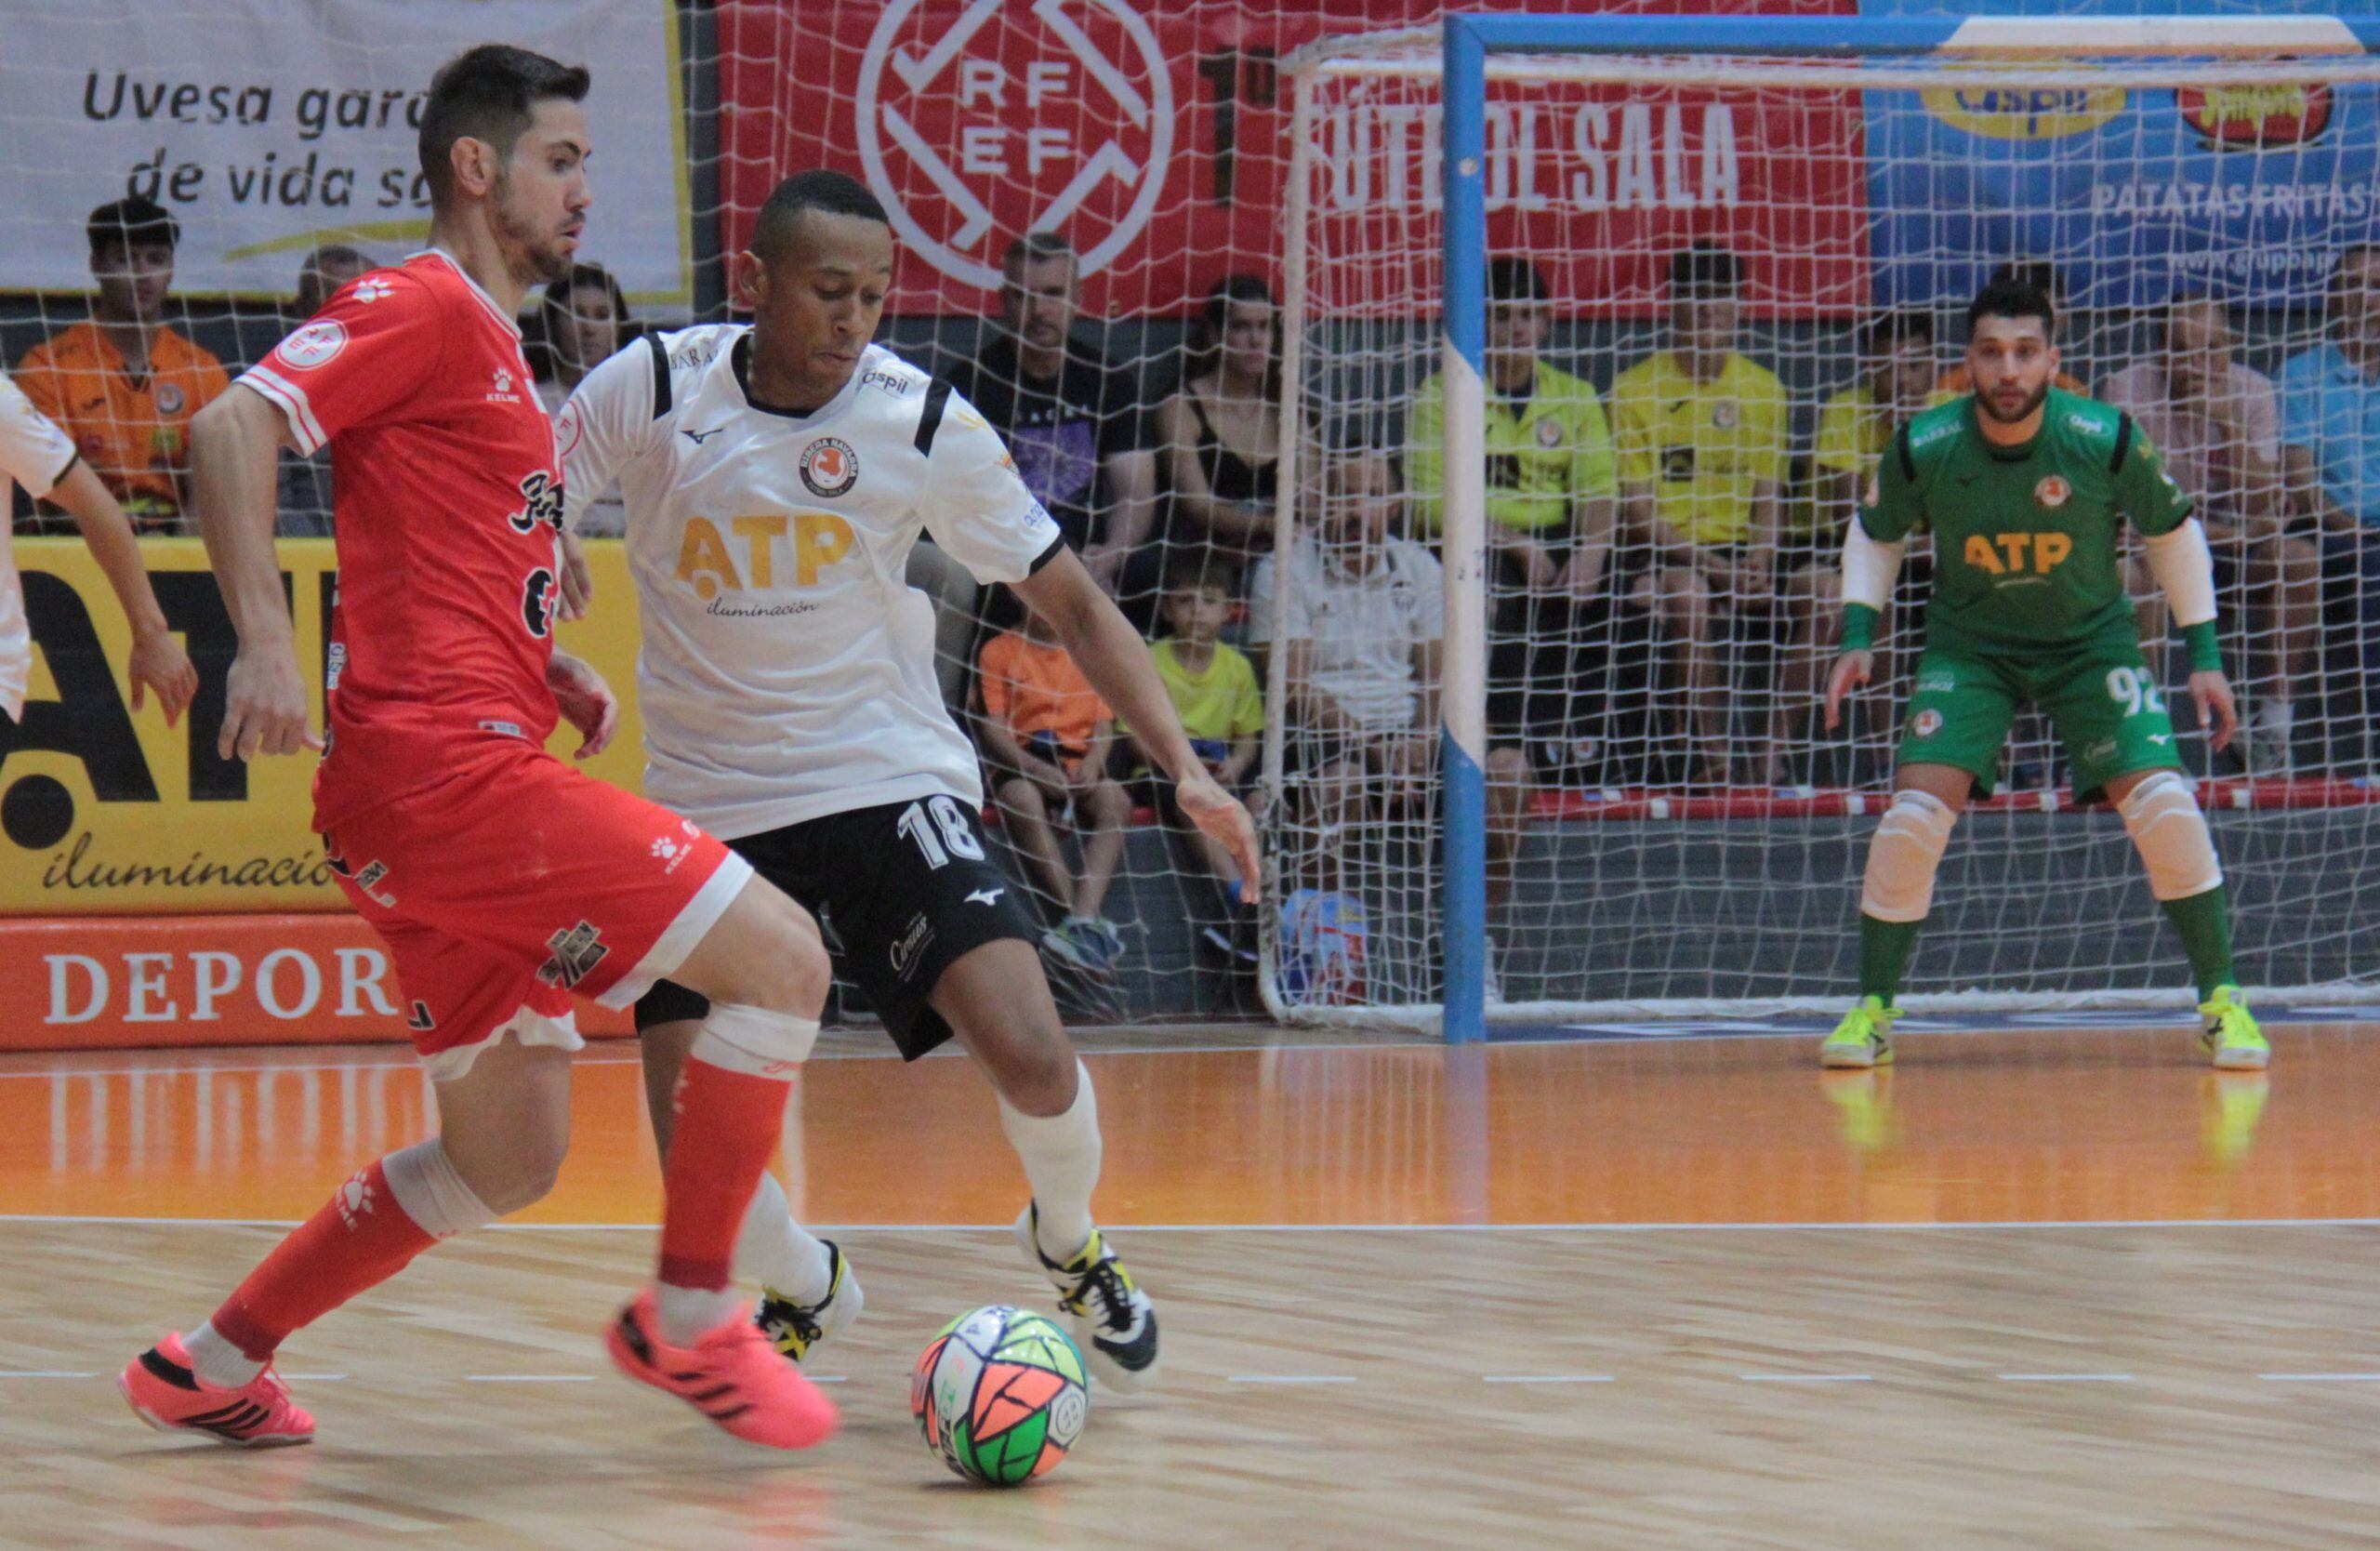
[(788, 672), (1364, 627), (35, 453)]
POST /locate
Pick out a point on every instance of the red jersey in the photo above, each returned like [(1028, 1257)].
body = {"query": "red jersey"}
[(448, 501)]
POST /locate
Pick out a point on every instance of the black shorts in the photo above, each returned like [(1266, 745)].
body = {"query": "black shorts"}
[(908, 889)]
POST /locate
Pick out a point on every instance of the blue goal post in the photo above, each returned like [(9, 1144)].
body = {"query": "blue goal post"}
[(1469, 41)]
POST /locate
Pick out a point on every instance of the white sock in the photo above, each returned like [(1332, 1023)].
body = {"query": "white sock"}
[(774, 1250), (431, 1191), (216, 1362), (1060, 1158), (687, 1314)]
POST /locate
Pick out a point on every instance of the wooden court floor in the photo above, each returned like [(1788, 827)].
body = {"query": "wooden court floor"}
[(2028, 1289)]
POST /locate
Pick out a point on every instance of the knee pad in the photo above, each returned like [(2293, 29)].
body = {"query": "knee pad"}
[(754, 1040), (431, 1191), (1904, 856), (2170, 833)]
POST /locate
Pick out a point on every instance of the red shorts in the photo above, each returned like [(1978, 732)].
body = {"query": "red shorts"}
[(518, 884)]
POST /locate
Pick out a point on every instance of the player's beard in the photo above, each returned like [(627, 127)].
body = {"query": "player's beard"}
[(534, 260), (2033, 402)]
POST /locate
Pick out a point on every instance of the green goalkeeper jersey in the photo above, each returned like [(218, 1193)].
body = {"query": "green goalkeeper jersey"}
[(2025, 558)]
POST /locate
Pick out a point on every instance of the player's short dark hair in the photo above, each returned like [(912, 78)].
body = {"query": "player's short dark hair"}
[(1705, 270), (820, 189), (489, 93), (1888, 331), (1195, 569), (1511, 278), (125, 224), (2040, 274), (1027, 246), (2013, 298)]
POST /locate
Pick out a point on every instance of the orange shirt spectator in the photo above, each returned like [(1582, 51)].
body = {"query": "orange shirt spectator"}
[(124, 385), (1035, 690)]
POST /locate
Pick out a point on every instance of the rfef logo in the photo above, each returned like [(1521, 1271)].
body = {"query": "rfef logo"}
[(313, 345), (1012, 116)]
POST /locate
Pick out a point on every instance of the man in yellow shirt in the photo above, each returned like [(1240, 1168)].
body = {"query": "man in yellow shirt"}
[(1553, 490), (1700, 432), (124, 385), (1896, 353)]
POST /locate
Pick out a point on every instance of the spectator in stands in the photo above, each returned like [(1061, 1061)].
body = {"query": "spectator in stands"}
[(1214, 691), (1854, 429), (124, 384), (305, 499), (1363, 625), (1701, 437), (2218, 420), (2330, 435), (1552, 504), (1047, 735), (1072, 420), (582, 320), (1222, 428)]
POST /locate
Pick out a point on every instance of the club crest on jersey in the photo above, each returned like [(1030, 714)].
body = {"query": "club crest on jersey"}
[(541, 494), (829, 466), (311, 346), (2053, 492), (1548, 433), (1724, 415), (170, 398), (1926, 722)]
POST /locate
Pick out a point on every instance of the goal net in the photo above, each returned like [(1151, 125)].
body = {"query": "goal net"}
[(1716, 274)]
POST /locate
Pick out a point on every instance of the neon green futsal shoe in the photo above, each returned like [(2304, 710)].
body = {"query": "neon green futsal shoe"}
[(2231, 1036), (1864, 1037)]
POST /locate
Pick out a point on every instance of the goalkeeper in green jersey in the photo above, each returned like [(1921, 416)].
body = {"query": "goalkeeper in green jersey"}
[(2023, 487)]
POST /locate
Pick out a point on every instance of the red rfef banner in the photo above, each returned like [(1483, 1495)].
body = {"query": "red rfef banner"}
[(1156, 137)]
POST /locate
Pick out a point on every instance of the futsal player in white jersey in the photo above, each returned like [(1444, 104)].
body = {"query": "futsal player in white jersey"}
[(36, 455), (777, 476)]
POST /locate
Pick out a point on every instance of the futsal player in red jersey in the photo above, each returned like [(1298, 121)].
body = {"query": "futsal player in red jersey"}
[(504, 882)]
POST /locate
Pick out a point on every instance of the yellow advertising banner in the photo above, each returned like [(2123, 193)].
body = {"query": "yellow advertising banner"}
[(103, 811)]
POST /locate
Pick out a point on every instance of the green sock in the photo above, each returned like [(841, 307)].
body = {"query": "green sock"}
[(2205, 921), (1884, 955)]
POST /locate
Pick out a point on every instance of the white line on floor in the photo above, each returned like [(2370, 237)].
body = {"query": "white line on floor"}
[(2065, 1378), (1292, 1378), (528, 1378), (1545, 1378), (2062, 1226), (315, 1378), (1807, 1378), (2319, 1378)]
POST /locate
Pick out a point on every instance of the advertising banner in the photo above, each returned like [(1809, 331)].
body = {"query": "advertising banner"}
[(269, 126), (103, 810)]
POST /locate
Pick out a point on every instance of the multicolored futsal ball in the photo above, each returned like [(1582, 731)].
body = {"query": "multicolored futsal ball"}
[(1000, 1395)]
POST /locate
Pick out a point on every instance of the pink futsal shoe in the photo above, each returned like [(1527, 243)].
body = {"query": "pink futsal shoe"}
[(162, 1391), (731, 1375)]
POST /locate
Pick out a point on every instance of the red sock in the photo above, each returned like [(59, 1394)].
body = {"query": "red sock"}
[(728, 1123), (359, 1241)]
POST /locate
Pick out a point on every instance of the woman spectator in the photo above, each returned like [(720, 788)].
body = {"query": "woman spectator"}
[(582, 320), (1221, 432)]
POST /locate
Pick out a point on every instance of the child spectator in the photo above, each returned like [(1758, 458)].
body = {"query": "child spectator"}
[(1047, 735), (1214, 688)]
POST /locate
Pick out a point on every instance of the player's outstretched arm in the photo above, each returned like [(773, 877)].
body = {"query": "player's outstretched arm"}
[(234, 449), (158, 660), (1115, 660)]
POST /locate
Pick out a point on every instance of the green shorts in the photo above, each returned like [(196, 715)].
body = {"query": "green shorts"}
[(2103, 701)]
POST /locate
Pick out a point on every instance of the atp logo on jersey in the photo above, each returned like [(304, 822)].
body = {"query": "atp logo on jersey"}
[(829, 466), (312, 346), (2053, 492)]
